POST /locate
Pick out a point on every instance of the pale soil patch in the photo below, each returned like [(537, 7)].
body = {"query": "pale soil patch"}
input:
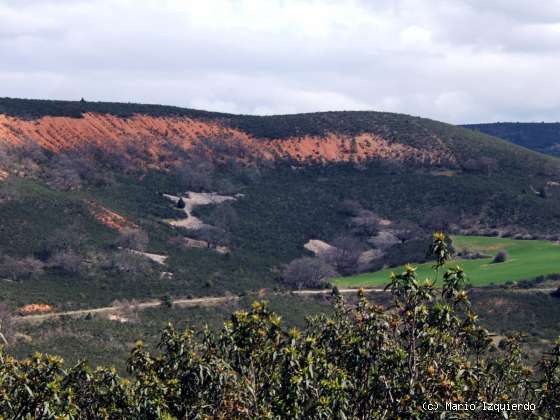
[(197, 243), (444, 172), (192, 200), (3, 175), (220, 249), (318, 247), (117, 318), (166, 275), (158, 258)]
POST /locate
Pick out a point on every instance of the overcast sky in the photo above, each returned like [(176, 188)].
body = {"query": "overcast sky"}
[(452, 60)]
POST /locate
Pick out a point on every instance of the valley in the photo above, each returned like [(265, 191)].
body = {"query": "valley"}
[(121, 217)]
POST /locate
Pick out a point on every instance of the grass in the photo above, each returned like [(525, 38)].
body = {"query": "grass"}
[(527, 259)]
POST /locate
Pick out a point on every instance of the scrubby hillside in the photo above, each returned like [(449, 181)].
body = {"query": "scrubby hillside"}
[(106, 201), (158, 131)]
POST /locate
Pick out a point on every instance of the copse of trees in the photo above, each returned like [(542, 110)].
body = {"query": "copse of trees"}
[(360, 361), (308, 272)]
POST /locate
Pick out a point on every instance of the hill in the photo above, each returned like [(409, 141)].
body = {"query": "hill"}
[(541, 137), (91, 196)]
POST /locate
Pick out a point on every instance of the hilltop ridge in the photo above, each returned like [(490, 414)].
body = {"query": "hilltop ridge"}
[(157, 131)]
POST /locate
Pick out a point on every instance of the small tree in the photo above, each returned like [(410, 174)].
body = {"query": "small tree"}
[(500, 257), (181, 203)]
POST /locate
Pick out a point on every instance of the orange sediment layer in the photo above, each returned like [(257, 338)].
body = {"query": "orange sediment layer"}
[(155, 134), (109, 218), (35, 308)]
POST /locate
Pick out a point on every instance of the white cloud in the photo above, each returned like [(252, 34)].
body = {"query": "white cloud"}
[(455, 60)]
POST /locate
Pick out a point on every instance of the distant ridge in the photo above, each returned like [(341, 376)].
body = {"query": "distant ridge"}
[(541, 137)]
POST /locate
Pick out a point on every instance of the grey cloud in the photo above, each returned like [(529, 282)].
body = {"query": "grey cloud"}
[(460, 61)]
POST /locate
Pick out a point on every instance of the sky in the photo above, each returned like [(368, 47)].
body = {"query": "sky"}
[(459, 61)]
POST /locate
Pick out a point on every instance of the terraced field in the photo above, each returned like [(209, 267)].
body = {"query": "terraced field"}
[(527, 259)]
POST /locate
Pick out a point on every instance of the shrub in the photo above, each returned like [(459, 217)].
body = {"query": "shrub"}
[(167, 301), (360, 361), (500, 257)]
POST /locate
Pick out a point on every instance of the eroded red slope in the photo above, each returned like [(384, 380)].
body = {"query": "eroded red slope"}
[(154, 134)]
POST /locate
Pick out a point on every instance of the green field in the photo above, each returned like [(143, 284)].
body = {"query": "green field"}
[(527, 260)]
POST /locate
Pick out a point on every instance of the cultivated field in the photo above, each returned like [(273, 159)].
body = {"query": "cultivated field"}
[(527, 259)]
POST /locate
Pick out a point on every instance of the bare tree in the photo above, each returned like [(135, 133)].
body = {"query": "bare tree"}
[(69, 238), (484, 164), (16, 269), (67, 260), (366, 223), (225, 217), (135, 239), (345, 253), (63, 174), (405, 231), (350, 207), (308, 272), (488, 164), (196, 175), (212, 235), (127, 262)]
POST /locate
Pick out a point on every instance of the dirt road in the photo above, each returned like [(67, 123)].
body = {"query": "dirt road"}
[(208, 301), (203, 301)]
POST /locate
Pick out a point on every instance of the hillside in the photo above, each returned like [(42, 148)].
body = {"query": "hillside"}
[(316, 137), (541, 137), (84, 183)]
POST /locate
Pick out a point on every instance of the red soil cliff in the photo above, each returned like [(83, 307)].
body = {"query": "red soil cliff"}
[(155, 134)]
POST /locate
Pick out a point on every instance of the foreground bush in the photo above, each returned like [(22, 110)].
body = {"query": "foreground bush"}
[(361, 362)]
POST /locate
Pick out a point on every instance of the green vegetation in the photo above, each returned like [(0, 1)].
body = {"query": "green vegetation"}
[(358, 362), (109, 341), (54, 250), (527, 259)]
